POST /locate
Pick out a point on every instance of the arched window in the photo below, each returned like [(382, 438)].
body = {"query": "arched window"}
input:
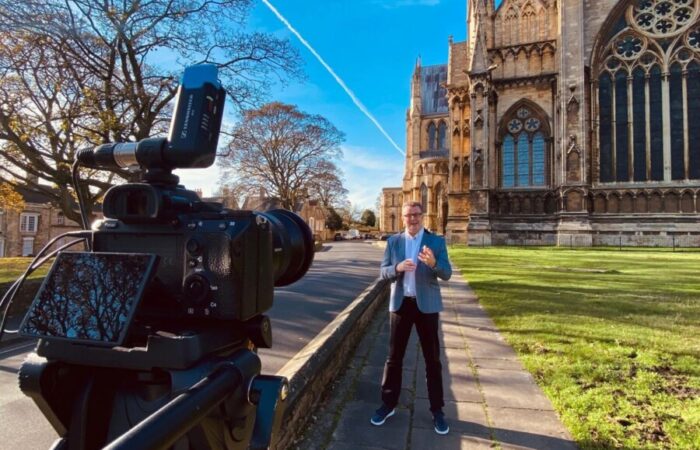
[(647, 73), (523, 149), (442, 134), (431, 136), (424, 197)]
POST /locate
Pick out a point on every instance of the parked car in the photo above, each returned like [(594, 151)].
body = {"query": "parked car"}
[(338, 237)]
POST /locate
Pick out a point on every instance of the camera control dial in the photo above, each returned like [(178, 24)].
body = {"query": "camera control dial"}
[(197, 288)]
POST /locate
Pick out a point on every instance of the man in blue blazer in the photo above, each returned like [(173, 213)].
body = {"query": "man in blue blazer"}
[(413, 261)]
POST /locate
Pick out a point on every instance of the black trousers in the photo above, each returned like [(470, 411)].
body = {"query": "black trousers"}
[(401, 323)]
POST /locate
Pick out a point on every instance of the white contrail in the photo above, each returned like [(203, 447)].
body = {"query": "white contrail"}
[(342, 84)]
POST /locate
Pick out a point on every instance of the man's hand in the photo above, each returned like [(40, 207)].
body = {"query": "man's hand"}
[(427, 257), (406, 266)]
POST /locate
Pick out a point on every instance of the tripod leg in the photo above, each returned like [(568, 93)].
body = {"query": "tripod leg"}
[(78, 421), (90, 415)]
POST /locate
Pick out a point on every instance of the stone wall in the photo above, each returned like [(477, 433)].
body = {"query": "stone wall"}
[(314, 368), (596, 13)]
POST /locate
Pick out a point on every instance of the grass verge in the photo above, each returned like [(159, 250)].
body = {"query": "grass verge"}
[(612, 337), (10, 270)]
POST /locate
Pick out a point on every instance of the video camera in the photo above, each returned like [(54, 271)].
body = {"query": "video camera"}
[(148, 340)]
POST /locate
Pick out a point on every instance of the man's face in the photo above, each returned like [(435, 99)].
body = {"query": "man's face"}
[(412, 219)]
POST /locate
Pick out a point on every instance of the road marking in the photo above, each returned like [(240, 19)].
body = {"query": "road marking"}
[(22, 346)]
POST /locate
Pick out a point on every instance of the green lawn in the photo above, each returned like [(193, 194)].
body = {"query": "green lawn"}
[(612, 337), (10, 270)]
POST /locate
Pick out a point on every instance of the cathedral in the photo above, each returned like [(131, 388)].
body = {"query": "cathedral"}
[(559, 122)]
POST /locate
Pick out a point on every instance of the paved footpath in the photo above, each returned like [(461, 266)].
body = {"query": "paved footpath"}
[(491, 402)]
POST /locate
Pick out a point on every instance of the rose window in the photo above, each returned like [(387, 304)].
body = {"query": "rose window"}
[(515, 125), (523, 113), (613, 63), (694, 39), (629, 46), (532, 124), (661, 18)]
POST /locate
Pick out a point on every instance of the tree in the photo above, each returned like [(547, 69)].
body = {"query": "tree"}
[(281, 151), (327, 186), (10, 200), (368, 218), (78, 73), (334, 221)]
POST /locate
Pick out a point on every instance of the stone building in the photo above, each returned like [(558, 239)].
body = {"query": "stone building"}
[(562, 122), (25, 232), (390, 210)]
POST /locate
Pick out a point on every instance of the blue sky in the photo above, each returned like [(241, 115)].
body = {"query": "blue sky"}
[(372, 45)]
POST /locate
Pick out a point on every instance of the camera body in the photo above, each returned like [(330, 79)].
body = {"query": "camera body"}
[(214, 263), (211, 265)]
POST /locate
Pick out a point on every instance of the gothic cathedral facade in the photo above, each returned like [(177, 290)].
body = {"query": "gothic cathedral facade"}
[(559, 122)]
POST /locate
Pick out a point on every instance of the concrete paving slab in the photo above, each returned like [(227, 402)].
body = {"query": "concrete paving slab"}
[(530, 429), (355, 429), (512, 389), (483, 344), (466, 418), (459, 384), (368, 387), (423, 439), (377, 356), (452, 341), (498, 363)]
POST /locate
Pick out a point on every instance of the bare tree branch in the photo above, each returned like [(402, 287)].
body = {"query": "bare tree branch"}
[(286, 153), (79, 73)]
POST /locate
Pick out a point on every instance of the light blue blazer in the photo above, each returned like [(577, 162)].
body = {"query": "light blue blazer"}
[(427, 289)]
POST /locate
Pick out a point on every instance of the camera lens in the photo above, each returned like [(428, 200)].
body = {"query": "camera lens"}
[(293, 246)]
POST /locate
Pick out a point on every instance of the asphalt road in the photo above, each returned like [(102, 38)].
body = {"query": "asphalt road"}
[(338, 275)]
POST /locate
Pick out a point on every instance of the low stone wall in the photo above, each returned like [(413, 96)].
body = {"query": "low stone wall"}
[(314, 368)]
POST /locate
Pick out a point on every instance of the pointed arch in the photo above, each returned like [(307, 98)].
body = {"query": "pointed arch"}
[(524, 146), (432, 136), (638, 59), (442, 135)]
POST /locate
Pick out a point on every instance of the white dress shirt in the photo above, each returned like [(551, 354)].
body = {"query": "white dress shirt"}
[(412, 250)]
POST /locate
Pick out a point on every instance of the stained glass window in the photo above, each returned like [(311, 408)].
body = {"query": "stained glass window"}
[(621, 127), (523, 154), (605, 105), (677, 133), (693, 85), (442, 132), (658, 41), (508, 162), (640, 129), (656, 124)]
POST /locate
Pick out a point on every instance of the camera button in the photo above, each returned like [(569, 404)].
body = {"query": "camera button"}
[(193, 247)]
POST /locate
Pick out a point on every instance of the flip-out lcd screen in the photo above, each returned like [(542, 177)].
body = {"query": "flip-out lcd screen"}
[(89, 297)]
